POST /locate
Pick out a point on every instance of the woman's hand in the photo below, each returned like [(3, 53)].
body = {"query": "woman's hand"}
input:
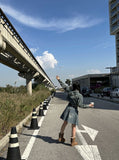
[(91, 105), (57, 77)]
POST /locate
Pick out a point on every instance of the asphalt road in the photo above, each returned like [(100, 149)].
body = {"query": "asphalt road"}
[(97, 133)]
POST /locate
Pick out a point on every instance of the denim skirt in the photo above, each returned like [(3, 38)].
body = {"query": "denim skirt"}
[(70, 114)]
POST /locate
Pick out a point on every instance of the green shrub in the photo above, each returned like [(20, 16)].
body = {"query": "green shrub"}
[(15, 105)]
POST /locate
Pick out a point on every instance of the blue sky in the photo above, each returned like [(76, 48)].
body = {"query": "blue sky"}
[(69, 38)]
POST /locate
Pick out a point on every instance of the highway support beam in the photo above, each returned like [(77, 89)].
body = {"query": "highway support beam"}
[(28, 77), (29, 86)]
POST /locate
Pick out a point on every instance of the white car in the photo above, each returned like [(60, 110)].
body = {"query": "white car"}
[(115, 92)]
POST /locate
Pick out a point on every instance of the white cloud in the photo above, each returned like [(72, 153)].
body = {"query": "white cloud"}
[(62, 25), (47, 60), (33, 50), (93, 71)]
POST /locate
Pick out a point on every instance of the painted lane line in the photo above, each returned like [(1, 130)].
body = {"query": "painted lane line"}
[(32, 139)]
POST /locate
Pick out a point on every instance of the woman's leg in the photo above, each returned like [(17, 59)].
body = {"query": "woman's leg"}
[(73, 142), (61, 134), (63, 127), (73, 130)]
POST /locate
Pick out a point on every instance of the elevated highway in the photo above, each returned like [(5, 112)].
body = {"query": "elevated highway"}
[(15, 54)]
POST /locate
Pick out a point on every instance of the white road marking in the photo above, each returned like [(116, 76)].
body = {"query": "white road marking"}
[(32, 139), (88, 152), (92, 132), (82, 139)]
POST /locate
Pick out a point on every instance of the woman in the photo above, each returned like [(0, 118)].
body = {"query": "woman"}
[(70, 114)]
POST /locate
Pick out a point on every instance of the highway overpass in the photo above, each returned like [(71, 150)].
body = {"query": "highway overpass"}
[(15, 54)]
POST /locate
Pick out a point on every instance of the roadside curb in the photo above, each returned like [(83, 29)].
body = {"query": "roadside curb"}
[(110, 100), (5, 139)]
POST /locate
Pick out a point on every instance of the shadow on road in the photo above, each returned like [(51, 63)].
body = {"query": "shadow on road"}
[(28, 127), (46, 139)]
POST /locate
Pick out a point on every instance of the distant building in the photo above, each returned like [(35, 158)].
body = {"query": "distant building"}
[(114, 30), (92, 81)]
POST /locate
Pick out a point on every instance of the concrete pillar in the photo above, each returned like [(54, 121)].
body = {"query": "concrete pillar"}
[(29, 86), (2, 43)]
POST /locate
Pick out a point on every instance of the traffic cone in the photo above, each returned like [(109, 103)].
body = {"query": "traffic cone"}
[(45, 105), (13, 149), (41, 112), (34, 123), (52, 95), (48, 101)]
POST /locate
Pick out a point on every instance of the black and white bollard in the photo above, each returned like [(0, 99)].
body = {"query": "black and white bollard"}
[(34, 122), (45, 105), (13, 149), (41, 112)]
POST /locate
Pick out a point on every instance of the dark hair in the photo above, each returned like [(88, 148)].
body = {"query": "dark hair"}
[(75, 86)]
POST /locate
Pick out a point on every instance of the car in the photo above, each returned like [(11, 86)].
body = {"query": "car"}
[(115, 92), (106, 91), (86, 91)]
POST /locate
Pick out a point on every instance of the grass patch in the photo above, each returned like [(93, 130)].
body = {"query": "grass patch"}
[(15, 105)]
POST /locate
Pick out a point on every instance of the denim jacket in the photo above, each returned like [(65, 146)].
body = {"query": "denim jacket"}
[(74, 97)]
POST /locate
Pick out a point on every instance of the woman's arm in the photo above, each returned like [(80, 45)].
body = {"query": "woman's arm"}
[(65, 87), (84, 105)]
